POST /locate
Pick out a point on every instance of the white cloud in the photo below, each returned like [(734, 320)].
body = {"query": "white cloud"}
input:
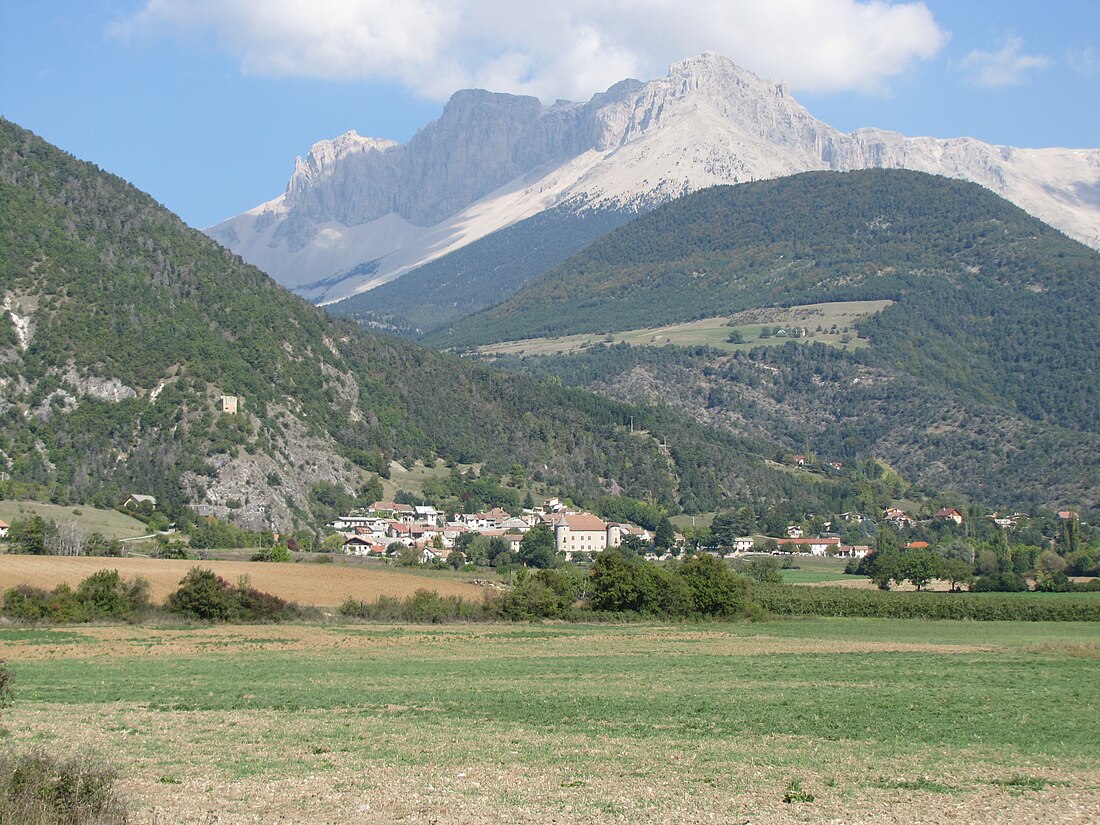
[(565, 48), (1084, 61), (1006, 67)]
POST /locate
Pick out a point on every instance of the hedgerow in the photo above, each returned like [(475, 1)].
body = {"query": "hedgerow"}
[(787, 600)]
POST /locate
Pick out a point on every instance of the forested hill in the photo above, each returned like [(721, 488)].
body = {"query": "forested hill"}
[(991, 306), (120, 328)]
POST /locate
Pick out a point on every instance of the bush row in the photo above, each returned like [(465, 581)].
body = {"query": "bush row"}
[(619, 587), (838, 601), (104, 595)]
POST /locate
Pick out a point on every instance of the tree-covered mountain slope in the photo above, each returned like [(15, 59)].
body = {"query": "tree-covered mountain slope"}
[(991, 305), (121, 328), (840, 407), (481, 274)]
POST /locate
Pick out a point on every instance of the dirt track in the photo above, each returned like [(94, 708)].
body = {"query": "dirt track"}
[(305, 583)]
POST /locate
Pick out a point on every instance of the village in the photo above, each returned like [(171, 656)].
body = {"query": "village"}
[(387, 528)]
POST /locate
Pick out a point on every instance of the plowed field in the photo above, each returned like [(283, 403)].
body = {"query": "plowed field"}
[(307, 584)]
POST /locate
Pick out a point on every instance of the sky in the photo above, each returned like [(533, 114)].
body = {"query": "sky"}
[(206, 103)]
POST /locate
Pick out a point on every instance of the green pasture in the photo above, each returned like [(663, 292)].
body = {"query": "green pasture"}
[(855, 710), (109, 523), (715, 332)]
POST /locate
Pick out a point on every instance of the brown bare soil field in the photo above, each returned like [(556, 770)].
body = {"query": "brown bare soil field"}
[(307, 584)]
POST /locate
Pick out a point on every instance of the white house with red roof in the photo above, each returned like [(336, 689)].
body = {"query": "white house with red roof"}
[(4, 526), (898, 518), (950, 514)]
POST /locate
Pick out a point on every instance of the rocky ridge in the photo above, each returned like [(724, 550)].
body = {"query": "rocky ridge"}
[(359, 212)]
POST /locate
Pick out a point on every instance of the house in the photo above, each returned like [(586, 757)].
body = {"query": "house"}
[(800, 460), (350, 521), (1066, 515), (136, 501), (794, 532), (357, 545), (950, 514), (917, 545), (4, 529), (390, 509), (203, 510), (428, 515), (815, 547), (898, 518), (584, 533), (514, 523), (837, 465), (399, 531), (743, 544), (227, 404), (853, 551), (852, 517)]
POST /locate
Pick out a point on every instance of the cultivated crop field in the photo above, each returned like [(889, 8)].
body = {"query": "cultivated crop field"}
[(325, 585), (875, 720)]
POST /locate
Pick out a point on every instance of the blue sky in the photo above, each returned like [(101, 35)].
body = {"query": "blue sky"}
[(205, 103)]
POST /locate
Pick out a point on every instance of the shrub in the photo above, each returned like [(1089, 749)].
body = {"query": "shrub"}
[(424, 606), (170, 551), (544, 594), (6, 679), (764, 570), (621, 583), (103, 595), (715, 591), (39, 789), (999, 583), (204, 595), (276, 553)]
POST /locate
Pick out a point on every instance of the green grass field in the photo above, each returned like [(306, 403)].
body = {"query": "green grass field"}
[(877, 719), (110, 523), (714, 332)]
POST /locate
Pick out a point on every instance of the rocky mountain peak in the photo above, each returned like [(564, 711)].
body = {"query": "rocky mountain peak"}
[(493, 159)]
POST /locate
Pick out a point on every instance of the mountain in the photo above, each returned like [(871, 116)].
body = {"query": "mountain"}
[(980, 373), (121, 329), (359, 212), (480, 274)]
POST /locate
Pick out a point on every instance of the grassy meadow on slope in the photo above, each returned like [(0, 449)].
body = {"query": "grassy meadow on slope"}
[(109, 523), (715, 332), (908, 721)]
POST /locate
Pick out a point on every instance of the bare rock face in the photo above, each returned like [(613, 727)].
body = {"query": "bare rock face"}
[(359, 211)]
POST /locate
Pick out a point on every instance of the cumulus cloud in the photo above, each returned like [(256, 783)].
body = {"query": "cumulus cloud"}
[(1006, 67), (567, 48)]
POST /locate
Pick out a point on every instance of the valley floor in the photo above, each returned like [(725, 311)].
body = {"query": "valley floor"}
[(876, 720)]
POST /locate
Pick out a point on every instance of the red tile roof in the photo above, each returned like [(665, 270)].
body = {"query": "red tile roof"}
[(584, 521)]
